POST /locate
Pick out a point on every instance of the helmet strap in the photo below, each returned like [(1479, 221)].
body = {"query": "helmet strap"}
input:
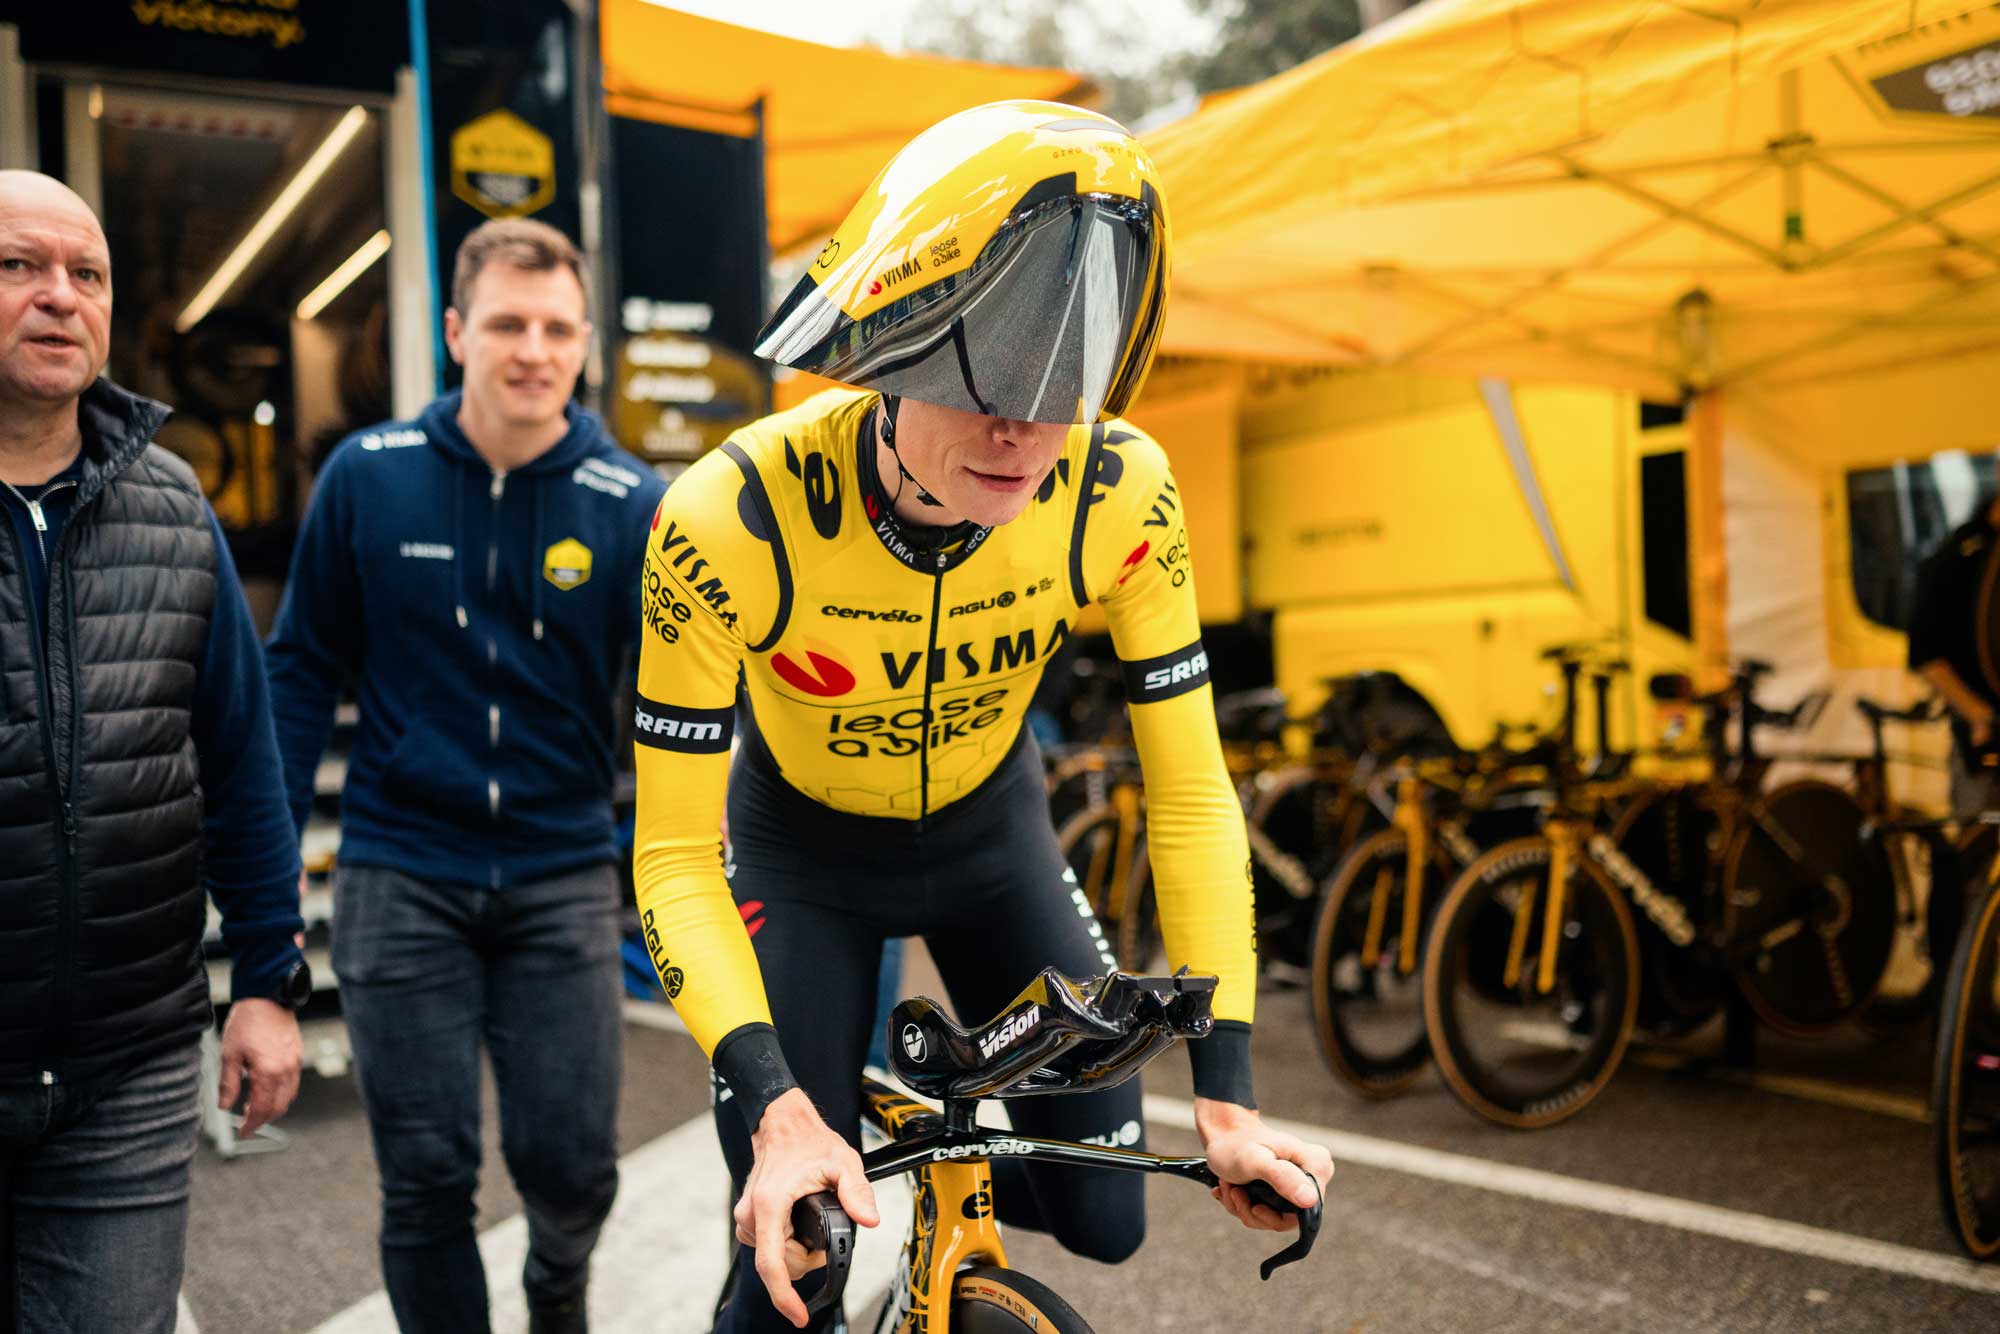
[(891, 405)]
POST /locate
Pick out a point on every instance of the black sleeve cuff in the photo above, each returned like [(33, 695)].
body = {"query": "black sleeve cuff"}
[(1221, 1064), (749, 1061)]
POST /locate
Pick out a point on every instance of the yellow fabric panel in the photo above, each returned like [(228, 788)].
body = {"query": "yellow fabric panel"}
[(832, 115), (1533, 189)]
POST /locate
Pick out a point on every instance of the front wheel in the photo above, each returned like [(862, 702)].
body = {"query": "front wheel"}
[(1965, 1087), (1529, 1010), (986, 1300), (1367, 956)]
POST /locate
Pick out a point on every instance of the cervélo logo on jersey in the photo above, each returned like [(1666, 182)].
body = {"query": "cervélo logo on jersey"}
[(1149, 680), (895, 615), (690, 731)]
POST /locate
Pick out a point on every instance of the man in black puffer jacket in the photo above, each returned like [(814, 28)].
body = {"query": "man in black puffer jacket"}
[(137, 766)]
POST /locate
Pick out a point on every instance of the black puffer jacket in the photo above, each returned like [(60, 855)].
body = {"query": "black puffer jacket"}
[(101, 905)]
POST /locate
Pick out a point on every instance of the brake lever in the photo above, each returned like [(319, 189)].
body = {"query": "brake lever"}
[(820, 1224), (1262, 1192)]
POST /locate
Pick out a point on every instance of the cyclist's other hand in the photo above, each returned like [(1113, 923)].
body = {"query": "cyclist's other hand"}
[(797, 1154), (1241, 1148), (1982, 732)]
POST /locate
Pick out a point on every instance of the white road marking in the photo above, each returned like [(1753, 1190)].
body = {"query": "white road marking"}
[(184, 1322), (1825, 1091), (664, 1251), (1618, 1201), (1902, 1106)]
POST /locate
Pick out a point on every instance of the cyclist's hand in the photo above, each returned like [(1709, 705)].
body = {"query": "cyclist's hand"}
[(1982, 732), (1241, 1148), (797, 1154)]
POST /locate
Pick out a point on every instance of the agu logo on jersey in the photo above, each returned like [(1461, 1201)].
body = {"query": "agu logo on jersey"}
[(567, 564)]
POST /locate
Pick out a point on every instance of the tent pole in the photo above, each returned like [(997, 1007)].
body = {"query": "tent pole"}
[(1708, 557)]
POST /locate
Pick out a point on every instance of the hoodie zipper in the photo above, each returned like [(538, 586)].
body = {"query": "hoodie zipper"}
[(495, 491)]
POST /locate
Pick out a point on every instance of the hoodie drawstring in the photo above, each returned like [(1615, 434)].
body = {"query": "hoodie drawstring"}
[(458, 548), (540, 485)]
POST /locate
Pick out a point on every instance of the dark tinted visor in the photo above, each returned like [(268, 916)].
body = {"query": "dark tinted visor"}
[(1042, 326)]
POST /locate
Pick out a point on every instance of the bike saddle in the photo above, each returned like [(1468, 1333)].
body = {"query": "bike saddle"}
[(1059, 1035)]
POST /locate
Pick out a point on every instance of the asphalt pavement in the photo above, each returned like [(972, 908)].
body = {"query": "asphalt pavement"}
[(1684, 1199)]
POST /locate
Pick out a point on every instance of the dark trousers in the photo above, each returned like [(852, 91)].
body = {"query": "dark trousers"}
[(429, 973), (985, 885), (94, 1199)]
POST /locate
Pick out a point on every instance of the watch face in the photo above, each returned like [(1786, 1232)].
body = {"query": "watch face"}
[(298, 985)]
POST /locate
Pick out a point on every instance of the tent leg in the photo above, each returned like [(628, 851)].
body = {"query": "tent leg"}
[(1708, 555)]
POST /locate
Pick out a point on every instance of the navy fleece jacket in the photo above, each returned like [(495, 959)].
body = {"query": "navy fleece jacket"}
[(488, 621)]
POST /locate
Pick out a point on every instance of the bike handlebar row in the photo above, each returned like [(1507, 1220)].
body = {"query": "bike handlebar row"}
[(820, 1224)]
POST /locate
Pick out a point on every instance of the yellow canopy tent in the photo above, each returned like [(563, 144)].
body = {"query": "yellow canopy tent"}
[(832, 115), (1734, 196)]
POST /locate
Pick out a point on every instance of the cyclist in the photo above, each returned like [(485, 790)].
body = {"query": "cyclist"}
[(889, 567)]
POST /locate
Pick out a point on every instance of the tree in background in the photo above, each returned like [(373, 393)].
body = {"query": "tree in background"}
[(1259, 38), (1148, 56)]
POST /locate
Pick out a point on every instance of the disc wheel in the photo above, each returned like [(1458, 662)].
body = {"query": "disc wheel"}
[(1367, 974), (988, 1300), (1809, 908), (1514, 1050), (1109, 860), (1306, 819), (1965, 1087), (1669, 835)]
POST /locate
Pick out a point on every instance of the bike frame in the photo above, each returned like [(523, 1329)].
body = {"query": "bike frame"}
[(952, 1225)]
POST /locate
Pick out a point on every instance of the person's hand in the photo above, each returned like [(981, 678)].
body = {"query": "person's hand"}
[(797, 1154), (1981, 730), (1241, 1149), (260, 1043)]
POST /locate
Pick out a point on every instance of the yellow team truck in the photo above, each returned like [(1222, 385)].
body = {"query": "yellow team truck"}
[(1449, 530)]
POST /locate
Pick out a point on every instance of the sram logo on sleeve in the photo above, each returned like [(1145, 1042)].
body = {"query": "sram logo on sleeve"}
[(1152, 679), (692, 731)]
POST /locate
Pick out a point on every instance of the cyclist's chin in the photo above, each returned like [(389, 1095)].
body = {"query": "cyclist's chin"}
[(987, 505)]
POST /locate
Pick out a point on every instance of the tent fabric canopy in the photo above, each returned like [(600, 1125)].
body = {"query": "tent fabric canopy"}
[(1658, 196), (832, 115)]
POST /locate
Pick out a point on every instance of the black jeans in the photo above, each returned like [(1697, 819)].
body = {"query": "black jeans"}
[(428, 974), (94, 1199), (984, 884)]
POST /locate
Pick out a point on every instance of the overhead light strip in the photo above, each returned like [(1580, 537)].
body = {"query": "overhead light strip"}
[(350, 268), (282, 207)]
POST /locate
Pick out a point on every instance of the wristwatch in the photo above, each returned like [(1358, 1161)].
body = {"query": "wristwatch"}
[(295, 988)]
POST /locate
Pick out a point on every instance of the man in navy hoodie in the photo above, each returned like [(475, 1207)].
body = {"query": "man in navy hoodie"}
[(474, 574)]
